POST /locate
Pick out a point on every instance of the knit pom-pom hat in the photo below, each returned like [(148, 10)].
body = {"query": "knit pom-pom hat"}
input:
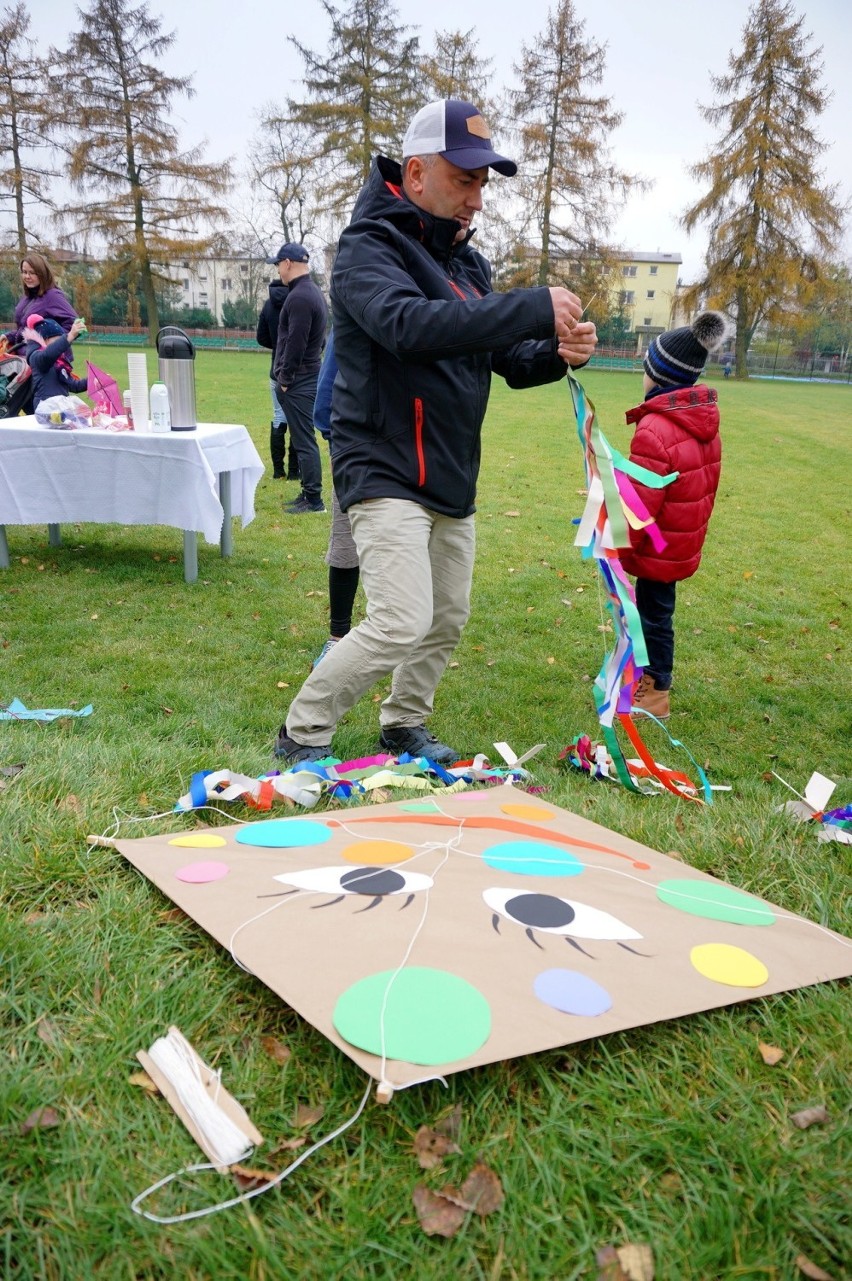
[(677, 358)]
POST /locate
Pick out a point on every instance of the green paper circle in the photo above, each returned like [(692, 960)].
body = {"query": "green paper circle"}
[(715, 902), (430, 1016)]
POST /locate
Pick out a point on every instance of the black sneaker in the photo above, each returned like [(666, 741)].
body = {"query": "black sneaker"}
[(303, 506), (292, 752), (417, 741)]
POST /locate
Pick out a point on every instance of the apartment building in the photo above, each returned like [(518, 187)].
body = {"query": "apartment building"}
[(645, 291)]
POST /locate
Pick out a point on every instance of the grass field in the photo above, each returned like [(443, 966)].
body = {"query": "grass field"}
[(677, 1134)]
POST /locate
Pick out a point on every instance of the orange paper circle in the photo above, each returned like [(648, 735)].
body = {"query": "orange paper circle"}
[(724, 963), (532, 812), (377, 853), (199, 841)]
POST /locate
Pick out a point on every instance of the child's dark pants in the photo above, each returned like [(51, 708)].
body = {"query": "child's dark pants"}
[(656, 604)]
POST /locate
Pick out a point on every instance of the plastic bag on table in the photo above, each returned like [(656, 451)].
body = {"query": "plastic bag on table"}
[(64, 412)]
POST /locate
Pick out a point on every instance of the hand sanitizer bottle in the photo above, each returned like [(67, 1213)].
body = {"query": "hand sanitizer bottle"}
[(161, 419)]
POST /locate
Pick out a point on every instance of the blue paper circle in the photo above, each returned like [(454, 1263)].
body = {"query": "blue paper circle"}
[(571, 992), (283, 833), (532, 858)]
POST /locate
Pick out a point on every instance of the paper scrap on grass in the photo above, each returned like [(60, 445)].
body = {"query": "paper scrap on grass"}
[(18, 711), (472, 928), (305, 783)]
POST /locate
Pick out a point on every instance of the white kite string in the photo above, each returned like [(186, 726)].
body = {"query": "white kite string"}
[(224, 1140), (136, 1203)]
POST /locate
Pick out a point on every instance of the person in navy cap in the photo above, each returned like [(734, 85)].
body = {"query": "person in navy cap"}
[(418, 333), (302, 324)]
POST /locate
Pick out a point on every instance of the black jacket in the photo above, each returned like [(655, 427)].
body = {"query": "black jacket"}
[(267, 321), (302, 327), (417, 333)]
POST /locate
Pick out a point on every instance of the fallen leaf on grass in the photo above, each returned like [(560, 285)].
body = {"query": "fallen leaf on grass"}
[(306, 1116), (808, 1117), (288, 1145), (69, 802), (437, 1215), (276, 1049), (47, 1031), (9, 771), (431, 1147), (143, 1081), (40, 1119), (170, 711), (482, 1190), (630, 1262), (511, 513), (637, 1261), (610, 1267), (248, 1180), (770, 1053), (811, 1270)]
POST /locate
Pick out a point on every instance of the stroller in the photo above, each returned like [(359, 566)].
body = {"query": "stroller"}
[(16, 387)]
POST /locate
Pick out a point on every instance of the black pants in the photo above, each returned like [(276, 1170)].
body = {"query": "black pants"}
[(656, 605), (298, 404)]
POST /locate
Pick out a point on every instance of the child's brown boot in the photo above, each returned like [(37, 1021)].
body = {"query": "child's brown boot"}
[(647, 697)]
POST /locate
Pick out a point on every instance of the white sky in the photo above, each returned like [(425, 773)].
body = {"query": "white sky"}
[(659, 59)]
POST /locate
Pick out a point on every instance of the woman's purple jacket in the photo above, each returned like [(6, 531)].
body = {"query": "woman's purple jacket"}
[(52, 303)]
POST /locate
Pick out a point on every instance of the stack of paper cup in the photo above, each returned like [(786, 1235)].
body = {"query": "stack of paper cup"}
[(137, 376)]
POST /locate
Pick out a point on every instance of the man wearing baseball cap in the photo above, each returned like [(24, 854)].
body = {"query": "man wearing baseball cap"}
[(418, 333), (302, 324)]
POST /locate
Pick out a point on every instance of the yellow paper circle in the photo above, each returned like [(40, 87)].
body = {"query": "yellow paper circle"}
[(377, 853), (724, 963), (534, 813), (199, 841)]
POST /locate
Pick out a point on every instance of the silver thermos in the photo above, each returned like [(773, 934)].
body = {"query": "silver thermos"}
[(177, 370)]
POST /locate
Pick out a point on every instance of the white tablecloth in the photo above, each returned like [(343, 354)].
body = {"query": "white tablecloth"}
[(49, 476)]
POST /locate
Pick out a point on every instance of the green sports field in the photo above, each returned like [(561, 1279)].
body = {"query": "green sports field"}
[(676, 1134)]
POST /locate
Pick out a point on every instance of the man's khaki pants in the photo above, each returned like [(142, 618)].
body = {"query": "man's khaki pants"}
[(416, 570)]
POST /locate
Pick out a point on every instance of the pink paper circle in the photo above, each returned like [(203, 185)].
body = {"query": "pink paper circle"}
[(199, 873)]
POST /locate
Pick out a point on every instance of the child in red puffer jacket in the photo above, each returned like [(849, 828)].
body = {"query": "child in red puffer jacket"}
[(677, 429)]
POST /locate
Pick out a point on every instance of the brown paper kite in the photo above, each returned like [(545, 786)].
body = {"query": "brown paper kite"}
[(424, 937)]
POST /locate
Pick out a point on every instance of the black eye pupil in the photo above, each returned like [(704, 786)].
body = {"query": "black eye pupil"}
[(541, 911), (372, 880)]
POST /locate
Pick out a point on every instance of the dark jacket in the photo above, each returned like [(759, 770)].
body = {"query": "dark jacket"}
[(302, 327), (418, 332), (267, 321), (675, 431), (52, 372)]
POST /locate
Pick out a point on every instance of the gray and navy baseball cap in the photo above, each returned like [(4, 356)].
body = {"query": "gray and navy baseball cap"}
[(457, 131)]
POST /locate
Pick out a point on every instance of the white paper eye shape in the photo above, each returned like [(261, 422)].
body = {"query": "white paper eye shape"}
[(371, 881), (551, 914)]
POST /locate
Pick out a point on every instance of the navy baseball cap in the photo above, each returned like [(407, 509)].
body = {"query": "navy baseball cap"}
[(457, 131), (293, 253)]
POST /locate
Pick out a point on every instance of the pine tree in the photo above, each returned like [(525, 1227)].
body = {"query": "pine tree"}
[(453, 69), (771, 220), (361, 93), (144, 196), (26, 122), (570, 185)]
